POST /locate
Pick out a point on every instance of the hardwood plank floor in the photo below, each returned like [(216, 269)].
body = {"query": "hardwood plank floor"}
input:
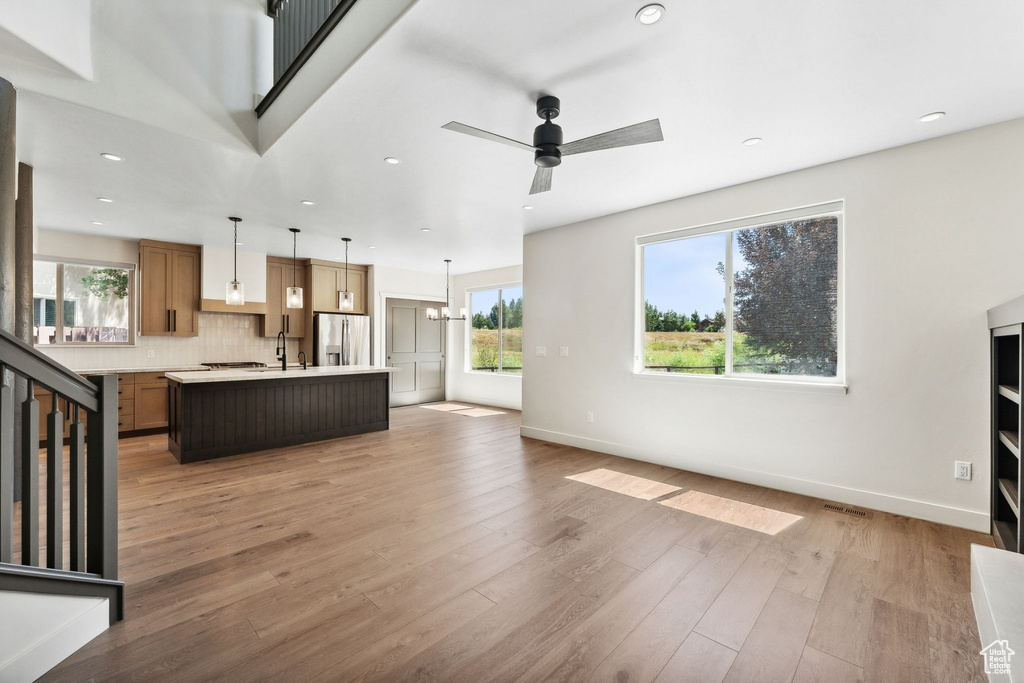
[(451, 549)]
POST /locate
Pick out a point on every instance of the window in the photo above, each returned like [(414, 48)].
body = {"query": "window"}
[(96, 303), (754, 297), (496, 333)]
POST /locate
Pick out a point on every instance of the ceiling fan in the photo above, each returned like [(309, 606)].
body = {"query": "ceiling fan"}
[(547, 140)]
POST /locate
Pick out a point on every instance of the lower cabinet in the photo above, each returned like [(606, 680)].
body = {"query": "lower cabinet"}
[(141, 403)]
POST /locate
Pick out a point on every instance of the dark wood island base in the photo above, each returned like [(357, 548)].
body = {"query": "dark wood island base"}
[(221, 418)]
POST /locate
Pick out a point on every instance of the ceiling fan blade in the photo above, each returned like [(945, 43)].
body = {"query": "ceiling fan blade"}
[(541, 180), (637, 134), (484, 135)]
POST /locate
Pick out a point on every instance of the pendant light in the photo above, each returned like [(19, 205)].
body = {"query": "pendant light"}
[(234, 292), (293, 296), (346, 300), (446, 311)]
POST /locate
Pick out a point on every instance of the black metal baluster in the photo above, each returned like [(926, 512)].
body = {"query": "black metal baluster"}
[(30, 479), (55, 486), (6, 465), (77, 486)]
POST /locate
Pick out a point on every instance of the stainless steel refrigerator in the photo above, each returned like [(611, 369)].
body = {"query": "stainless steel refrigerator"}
[(341, 339)]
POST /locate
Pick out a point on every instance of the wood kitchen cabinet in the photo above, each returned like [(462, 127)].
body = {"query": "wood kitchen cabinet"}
[(278, 318), (170, 292), (126, 389), (327, 281), (150, 400)]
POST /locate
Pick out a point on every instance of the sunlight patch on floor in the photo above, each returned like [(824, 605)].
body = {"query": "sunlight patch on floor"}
[(445, 407), (627, 484), (753, 517)]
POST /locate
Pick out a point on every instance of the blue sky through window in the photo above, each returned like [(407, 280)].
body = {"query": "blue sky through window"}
[(681, 275)]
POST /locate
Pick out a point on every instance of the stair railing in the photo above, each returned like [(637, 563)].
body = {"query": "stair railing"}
[(92, 479)]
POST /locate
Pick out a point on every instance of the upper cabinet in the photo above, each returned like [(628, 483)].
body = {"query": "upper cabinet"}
[(328, 281), (280, 318), (170, 292)]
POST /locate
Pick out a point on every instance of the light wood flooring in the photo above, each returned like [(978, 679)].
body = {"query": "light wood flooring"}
[(451, 549)]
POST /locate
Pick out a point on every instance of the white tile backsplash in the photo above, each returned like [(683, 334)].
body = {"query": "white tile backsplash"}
[(222, 337)]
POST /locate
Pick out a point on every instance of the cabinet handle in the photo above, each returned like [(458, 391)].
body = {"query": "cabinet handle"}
[(288, 319), (175, 319), (169, 321), (282, 321)]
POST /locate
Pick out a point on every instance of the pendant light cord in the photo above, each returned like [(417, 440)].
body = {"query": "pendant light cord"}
[(346, 266), (294, 235), (236, 251)]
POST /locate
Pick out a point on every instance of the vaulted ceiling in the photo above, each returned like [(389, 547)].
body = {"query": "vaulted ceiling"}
[(818, 81)]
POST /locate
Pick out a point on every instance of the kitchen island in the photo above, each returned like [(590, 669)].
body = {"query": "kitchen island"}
[(229, 412)]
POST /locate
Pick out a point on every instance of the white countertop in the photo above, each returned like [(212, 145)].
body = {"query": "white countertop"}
[(126, 371), (273, 373)]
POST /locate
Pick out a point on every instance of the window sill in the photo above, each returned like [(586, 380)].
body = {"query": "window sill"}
[(754, 382), (494, 374), (87, 345)]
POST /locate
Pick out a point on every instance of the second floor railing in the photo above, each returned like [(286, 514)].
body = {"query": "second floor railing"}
[(300, 27)]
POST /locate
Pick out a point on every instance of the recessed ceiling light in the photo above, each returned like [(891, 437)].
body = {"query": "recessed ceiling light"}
[(371, 247), (105, 200), (97, 223), (239, 244), (750, 142), (111, 157), (393, 161), (650, 14), (528, 208), (424, 229), (307, 202), (934, 116)]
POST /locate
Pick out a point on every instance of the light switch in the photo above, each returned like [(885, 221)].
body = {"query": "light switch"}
[(563, 351), (542, 351)]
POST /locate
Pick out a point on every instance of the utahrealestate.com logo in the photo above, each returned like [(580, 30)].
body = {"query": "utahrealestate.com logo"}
[(997, 657)]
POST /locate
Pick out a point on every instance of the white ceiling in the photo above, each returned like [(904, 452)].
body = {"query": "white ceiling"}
[(818, 81)]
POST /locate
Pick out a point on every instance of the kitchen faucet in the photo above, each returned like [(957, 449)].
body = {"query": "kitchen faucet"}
[(302, 357), (280, 350)]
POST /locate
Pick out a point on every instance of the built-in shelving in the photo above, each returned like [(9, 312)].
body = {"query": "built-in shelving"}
[(1006, 424), (1009, 490), (1011, 392)]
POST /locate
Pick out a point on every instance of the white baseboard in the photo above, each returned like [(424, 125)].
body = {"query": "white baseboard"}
[(485, 401), (967, 519)]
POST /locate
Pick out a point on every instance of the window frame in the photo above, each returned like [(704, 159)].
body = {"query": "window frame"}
[(59, 299), (468, 351), (831, 208)]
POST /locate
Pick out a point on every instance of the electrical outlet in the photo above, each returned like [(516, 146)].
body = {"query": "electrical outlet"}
[(590, 416), (963, 470), (563, 351), (150, 353), (542, 351)]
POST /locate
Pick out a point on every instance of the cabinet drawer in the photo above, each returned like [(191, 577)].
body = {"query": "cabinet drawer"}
[(125, 406), (126, 378), (149, 377), (125, 423)]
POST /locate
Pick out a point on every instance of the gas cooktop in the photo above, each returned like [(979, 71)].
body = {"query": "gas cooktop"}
[(235, 365)]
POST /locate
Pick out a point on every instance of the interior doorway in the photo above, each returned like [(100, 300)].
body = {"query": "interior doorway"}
[(415, 347)]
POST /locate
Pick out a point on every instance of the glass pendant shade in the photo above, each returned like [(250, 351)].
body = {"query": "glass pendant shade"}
[(446, 312), (462, 312), (234, 293), (346, 301), (293, 297), (431, 314)]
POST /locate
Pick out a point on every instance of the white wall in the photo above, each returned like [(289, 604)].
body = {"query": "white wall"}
[(933, 238), (505, 391), (219, 269)]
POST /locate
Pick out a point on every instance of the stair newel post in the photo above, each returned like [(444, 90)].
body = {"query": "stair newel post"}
[(101, 475), (30, 478), (6, 465)]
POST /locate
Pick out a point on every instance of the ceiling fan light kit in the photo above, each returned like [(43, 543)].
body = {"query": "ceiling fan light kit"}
[(548, 147)]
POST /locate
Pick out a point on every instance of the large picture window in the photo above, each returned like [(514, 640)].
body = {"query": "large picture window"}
[(496, 332), (96, 302), (754, 297)]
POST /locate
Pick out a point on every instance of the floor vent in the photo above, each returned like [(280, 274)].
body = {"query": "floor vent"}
[(845, 509)]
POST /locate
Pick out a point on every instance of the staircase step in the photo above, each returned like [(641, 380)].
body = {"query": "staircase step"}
[(38, 632)]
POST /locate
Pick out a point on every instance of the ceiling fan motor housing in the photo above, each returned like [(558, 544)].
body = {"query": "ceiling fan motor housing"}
[(546, 138)]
